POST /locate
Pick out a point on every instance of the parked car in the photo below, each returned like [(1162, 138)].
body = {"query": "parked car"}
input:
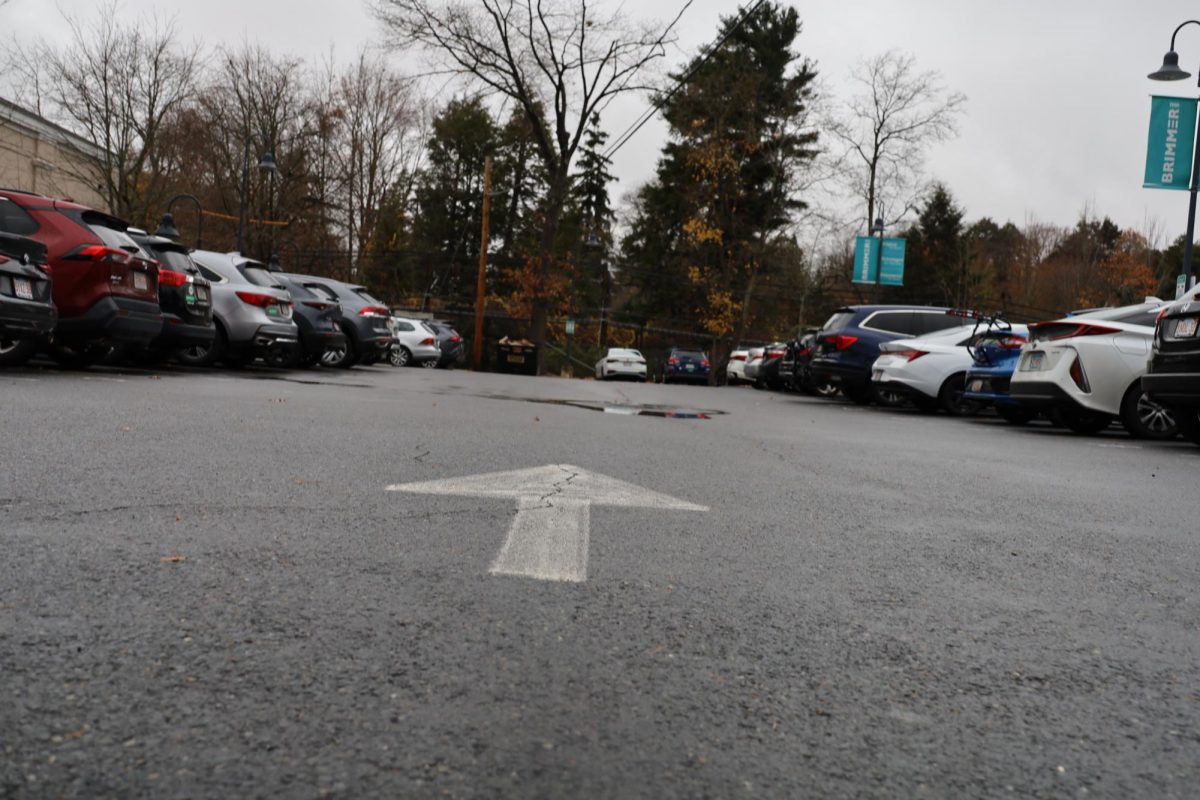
[(621, 362), (251, 309), (1173, 379), (318, 323), (415, 343), (795, 369), (27, 313), (848, 344), (1087, 370), (449, 342), (184, 295), (754, 357), (104, 292), (685, 364), (766, 371), (994, 355), (930, 371), (364, 321), (735, 370)]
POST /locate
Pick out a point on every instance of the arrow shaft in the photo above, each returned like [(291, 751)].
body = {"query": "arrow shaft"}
[(548, 540)]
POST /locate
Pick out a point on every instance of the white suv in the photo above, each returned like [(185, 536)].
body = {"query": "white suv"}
[(414, 342)]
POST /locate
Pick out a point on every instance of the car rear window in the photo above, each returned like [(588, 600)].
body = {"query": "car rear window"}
[(14, 219), (321, 290), (111, 237), (362, 292), (931, 321), (840, 319), (259, 276), (892, 321), (696, 354), (1144, 317), (173, 259)]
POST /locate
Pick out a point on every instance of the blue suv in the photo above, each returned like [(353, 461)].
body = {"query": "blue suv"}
[(848, 344)]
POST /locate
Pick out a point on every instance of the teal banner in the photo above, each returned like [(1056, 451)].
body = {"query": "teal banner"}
[(1169, 147), (866, 257)]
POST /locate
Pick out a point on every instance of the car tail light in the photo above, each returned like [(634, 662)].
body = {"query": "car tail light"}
[(456, 338), (672, 360), (256, 299), (1049, 331), (98, 253), (804, 352), (428, 341), (1012, 342), (1078, 375), (910, 355), (704, 363), (318, 305), (840, 341), (373, 311), (169, 277), (739, 357), (1165, 310)]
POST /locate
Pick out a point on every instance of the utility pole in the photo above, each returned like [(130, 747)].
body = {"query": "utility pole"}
[(481, 285)]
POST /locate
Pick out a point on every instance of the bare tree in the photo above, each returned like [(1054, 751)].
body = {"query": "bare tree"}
[(555, 59), (117, 85), (886, 129)]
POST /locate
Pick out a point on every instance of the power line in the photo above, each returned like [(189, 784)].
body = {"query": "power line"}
[(649, 113)]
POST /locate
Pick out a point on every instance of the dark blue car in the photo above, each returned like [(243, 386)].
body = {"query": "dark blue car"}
[(996, 353), (848, 344), (684, 364)]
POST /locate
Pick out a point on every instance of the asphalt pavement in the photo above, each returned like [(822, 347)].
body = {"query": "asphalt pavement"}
[(270, 584)]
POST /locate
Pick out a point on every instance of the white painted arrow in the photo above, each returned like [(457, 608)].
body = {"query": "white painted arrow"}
[(548, 538)]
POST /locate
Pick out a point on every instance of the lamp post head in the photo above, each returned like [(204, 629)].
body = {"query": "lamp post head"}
[(166, 228), (878, 226), (1169, 71), (273, 264), (267, 164)]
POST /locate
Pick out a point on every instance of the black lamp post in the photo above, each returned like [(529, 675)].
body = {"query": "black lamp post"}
[(167, 228), (266, 164), (877, 229), (1170, 71)]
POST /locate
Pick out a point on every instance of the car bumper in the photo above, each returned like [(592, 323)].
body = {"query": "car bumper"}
[(1041, 395), (1179, 389), (318, 342), (989, 389), (178, 333), (24, 319), (117, 319), (625, 372), (833, 372)]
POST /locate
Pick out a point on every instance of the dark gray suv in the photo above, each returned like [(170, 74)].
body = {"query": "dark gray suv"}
[(364, 321)]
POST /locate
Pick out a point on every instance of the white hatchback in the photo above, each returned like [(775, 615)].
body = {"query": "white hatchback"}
[(929, 370), (621, 362), (414, 342), (1086, 370)]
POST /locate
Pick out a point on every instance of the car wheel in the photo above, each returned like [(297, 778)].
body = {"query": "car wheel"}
[(1015, 415), (79, 357), (1144, 418), (889, 399), (430, 364), (16, 352), (203, 355), (825, 389), (1187, 420), (1081, 421), (343, 357), (951, 399), (399, 356)]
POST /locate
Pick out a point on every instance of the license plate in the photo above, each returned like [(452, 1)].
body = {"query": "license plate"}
[(202, 294), (23, 288), (1035, 361), (691, 367), (1186, 327), (139, 281), (976, 386), (516, 359)]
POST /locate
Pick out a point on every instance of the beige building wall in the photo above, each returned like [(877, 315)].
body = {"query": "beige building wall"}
[(38, 156)]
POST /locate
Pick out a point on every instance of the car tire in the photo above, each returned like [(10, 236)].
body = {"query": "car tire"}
[(1085, 423), (13, 353), (1144, 418), (1187, 420), (199, 355), (400, 356), (1015, 415), (950, 397), (343, 357), (430, 364)]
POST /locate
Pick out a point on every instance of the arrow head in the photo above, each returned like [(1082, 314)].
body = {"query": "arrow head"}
[(553, 481)]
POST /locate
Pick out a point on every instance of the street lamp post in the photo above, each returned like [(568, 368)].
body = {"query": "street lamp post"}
[(877, 229), (167, 228), (1170, 71), (266, 164)]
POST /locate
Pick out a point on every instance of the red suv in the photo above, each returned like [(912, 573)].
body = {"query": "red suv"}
[(106, 294)]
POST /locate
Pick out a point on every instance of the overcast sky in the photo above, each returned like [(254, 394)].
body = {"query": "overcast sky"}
[(1057, 96)]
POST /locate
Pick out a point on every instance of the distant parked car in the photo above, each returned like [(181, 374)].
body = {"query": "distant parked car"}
[(684, 364), (364, 321), (930, 371), (252, 311), (184, 295), (766, 372), (1173, 379), (105, 294), (798, 373), (449, 342), (621, 362), (415, 344), (26, 313), (994, 354), (735, 370), (1087, 371), (318, 322), (848, 344)]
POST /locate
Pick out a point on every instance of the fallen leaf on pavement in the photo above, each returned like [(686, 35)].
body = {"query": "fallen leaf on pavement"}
[(172, 559)]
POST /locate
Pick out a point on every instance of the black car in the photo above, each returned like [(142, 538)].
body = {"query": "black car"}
[(450, 343), (1173, 377), (686, 364), (319, 321), (26, 311), (848, 344), (795, 369), (364, 321), (184, 295), (768, 374)]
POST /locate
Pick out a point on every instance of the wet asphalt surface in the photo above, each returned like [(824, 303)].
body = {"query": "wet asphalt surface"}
[(205, 591)]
